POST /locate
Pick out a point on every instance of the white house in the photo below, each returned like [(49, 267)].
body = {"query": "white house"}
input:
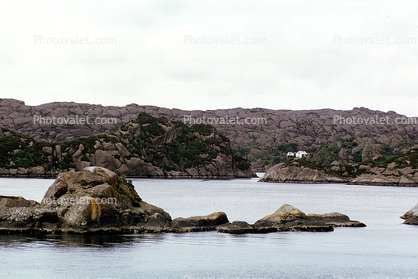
[(290, 154), (301, 154)]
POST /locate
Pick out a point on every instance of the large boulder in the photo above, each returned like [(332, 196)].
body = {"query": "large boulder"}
[(92, 200)]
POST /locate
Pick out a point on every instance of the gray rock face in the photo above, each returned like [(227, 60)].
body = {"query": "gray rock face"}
[(298, 174)]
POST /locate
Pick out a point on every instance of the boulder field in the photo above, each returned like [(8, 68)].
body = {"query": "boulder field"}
[(96, 200)]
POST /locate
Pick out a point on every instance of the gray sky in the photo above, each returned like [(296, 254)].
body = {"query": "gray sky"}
[(213, 54)]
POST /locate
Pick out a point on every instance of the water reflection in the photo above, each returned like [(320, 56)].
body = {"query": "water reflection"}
[(79, 240)]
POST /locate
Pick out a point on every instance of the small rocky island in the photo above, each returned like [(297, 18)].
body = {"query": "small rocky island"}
[(411, 217), (399, 170), (97, 200)]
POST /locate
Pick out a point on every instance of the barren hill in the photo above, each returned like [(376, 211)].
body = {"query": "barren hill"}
[(350, 135)]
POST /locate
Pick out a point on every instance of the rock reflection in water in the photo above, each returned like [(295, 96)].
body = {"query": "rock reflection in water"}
[(80, 240)]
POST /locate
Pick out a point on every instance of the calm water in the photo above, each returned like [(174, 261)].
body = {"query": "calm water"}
[(384, 249)]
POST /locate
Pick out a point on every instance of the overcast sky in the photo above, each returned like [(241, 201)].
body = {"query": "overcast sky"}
[(214, 54)]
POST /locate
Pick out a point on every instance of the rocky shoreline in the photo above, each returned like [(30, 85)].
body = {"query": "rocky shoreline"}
[(96, 200)]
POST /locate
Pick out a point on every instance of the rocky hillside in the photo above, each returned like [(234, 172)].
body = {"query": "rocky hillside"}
[(261, 134), (142, 147)]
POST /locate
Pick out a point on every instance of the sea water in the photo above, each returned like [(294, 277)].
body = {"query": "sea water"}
[(386, 248)]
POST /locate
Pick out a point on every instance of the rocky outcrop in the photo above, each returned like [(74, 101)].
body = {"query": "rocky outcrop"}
[(289, 218), (411, 217), (401, 171), (89, 201), (294, 173)]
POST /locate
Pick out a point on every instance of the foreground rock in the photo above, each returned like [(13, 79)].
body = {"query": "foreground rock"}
[(411, 217), (92, 200), (298, 174), (96, 200)]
